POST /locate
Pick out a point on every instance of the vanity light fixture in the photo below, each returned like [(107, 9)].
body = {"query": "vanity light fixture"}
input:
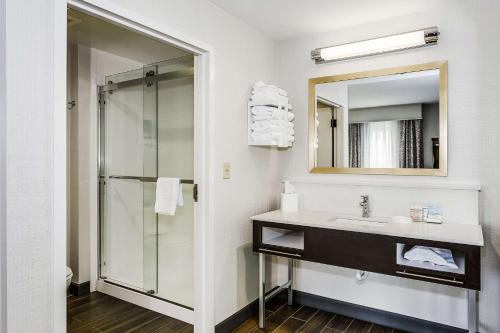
[(387, 44)]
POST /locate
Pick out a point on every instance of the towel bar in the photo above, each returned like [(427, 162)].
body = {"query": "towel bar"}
[(148, 179)]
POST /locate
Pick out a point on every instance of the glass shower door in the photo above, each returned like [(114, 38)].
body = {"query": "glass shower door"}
[(146, 131), (122, 191), (150, 169), (176, 159)]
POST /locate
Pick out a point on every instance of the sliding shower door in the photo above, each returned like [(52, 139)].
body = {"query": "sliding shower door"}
[(176, 159), (147, 131), (122, 199)]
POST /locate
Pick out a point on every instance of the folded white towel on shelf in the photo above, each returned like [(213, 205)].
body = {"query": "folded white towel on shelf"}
[(260, 110), (263, 108), (269, 119), (268, 99), (261, 88), (168, 195), (277, 115), (270, 92), (272, 129), (265, 136), (262, 117), (263, 126), (436, 256), (265, 122)]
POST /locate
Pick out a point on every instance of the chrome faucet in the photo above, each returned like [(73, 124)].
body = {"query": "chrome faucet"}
[(365, 205)]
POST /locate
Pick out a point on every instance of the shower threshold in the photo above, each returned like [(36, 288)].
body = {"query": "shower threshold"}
[(149, 293), (147, 301)]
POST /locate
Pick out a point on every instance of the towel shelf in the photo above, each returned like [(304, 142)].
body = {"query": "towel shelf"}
[(148, 179)]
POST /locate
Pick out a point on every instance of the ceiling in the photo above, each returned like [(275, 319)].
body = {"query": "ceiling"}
[(283, 19), (89, 31), (399, 89)]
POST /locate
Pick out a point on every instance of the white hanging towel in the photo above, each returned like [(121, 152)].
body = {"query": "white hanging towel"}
[(168, 195)]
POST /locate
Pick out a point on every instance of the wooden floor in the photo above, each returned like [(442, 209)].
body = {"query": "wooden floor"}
[(281, 318), (98, 312)]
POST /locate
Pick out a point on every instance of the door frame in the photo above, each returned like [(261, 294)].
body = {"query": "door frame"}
[(203, 172)]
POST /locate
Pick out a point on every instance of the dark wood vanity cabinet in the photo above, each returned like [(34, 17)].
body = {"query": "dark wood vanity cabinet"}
[(366, 251)]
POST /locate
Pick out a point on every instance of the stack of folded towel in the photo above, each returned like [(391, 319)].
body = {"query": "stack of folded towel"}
[(270, 115)]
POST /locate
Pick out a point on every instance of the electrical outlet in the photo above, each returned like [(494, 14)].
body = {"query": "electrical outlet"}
[(226, 170)]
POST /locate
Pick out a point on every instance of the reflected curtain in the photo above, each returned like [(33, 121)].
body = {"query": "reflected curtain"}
[(355, 145), (411, 151), (380, 144)]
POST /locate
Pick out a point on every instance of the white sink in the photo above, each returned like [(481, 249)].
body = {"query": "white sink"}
[(368, 222)]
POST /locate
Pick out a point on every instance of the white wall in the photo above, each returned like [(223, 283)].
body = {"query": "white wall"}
[(35, 175), (489, 138), (458, 28), (3, 180)]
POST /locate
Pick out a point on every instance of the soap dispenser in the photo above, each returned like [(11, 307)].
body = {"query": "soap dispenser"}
[(289, 199)]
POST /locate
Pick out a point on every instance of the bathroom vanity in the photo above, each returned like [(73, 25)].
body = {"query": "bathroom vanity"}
[(369, 245)]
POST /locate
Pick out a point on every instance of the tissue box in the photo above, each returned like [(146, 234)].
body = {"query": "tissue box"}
[(289, 202)]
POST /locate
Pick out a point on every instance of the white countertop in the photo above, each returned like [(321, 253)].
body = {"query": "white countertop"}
[(468, 234)]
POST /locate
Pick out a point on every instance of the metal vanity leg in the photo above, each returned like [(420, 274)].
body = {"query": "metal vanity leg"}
[(290, 278), (262, 290), (472, 310)]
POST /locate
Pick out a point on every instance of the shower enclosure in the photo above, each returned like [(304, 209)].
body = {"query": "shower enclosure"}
[(146, 130)]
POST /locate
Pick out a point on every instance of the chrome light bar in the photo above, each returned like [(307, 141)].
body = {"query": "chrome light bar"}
[(381, 45)]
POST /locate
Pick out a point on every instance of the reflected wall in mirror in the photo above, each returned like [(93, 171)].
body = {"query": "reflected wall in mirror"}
[(390, 121)]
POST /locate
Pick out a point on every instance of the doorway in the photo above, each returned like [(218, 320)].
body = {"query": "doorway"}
[(142, 131)]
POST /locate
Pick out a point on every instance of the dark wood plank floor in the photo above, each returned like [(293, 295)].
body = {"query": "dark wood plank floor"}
[(281, 318), (98, 312)]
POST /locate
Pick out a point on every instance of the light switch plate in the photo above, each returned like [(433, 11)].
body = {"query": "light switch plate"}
[(226, 170)]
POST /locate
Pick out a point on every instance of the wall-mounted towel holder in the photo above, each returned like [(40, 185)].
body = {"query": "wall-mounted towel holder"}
[(281, 116)]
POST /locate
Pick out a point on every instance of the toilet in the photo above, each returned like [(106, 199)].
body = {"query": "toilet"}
[(69, 276)]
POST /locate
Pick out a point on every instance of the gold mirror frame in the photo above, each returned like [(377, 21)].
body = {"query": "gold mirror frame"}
[(443, 128)]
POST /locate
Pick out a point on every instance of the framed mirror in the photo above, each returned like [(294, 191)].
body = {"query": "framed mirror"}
[(391, 121)]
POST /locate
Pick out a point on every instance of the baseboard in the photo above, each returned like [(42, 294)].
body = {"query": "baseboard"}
[(79, 289), (230, 323), (384, 318)]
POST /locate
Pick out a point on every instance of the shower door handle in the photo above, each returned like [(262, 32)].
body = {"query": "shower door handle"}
[(195, 193)]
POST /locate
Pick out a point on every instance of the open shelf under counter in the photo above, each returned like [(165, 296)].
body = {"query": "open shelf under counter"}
[(283, 238), (458, 257)]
